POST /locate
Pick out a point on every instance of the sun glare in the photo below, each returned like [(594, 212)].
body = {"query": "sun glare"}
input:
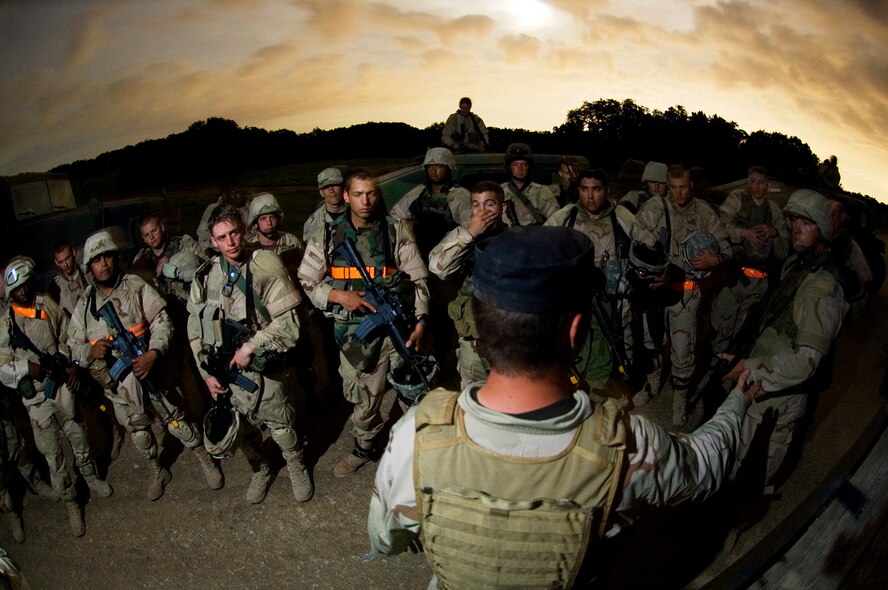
[(530, 14)]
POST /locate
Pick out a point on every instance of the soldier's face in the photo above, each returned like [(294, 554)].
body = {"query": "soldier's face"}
[(103, 267), (152, 233), (230, 240), (805, 233), (267, 224), (568, 175), (593, 195), (21, 295), (680, 190), (758, 185), (64, 261), (363, 198), (488, 204), (465, 108), (332, 195), (519, 169), (656, 189), (436, 173)]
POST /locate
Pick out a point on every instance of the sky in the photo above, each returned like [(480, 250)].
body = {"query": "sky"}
[(82, 77)]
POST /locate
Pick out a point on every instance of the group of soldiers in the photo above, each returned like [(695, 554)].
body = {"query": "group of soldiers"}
[(216, 322)]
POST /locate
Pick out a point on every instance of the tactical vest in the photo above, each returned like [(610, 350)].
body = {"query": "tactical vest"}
[(376, 247), (751, 214), (431, 210), (496, 521)]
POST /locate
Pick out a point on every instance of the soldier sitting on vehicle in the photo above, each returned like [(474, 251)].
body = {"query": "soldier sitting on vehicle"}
[(464, 132)]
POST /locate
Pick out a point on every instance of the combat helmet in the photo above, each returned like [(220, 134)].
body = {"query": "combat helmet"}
[(812, 206), (654, 172), (647, 263), (695, 243), (98, 243), (221, 426), (263, 204), (518, 151), (17, 273), (407, 384), (440, 155), (181, 267)]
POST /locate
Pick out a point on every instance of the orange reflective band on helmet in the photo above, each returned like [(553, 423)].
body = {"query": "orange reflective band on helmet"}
[(30, 312), (137, 330), (684, 285), (754, 273), (352, 272)]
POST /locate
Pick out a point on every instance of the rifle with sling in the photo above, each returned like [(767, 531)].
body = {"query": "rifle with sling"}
[(56, 365), (130, 347), (599, 310), (389, 312), (218, 358)]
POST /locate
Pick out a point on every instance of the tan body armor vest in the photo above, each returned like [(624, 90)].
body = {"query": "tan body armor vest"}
[(498, 521)]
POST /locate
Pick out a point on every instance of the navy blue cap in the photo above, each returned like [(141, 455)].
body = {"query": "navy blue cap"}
[(536, 269)]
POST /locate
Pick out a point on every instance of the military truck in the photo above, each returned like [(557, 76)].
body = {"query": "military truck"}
[(37, 209)]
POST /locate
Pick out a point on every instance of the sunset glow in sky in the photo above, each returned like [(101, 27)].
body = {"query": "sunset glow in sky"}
[(81, 78)]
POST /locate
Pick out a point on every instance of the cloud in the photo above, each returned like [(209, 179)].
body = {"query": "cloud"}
[(88, 39), (519, 48)]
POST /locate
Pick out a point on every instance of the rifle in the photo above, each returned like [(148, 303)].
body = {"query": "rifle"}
[(130, 347), (616, 343), (56, 365), (389, 312), (218, 358)]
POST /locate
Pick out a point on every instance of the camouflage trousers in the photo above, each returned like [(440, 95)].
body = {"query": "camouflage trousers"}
[(777, 419), (273, 405), (681, 321), (366, 389), (49, 419), (133, 407), (595, 363), (472, 368), (730, 307)]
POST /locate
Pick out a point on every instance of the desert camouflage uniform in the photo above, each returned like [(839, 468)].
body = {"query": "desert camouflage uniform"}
[(851, 256), (285, 243), (138, 304), (634, 200), (453, 205), (659, 468), (649, 226), (452, 256), (273, 404), (146, 260), (68, 291), (363, 367), (797, 333), (470, 128), (595, 362), (48, 416), (739, 211), (320, 217), (540, 197)]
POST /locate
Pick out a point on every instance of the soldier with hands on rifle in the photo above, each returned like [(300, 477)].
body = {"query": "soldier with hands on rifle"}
[(389, 250), (242, 320), (517, 482), (120, 331), (35, 362)]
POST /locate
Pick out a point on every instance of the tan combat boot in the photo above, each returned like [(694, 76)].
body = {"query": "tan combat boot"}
[(75, 518), (99, 486), (212, 472), (303, 489), (259, 483), (160, 477), (17, 526), (360, 456)]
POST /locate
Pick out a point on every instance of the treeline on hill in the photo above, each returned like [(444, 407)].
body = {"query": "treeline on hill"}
[(606, 131)]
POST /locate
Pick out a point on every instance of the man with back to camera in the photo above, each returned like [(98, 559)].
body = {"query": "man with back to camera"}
[(525, 464), (464, 132), (527, 202)]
